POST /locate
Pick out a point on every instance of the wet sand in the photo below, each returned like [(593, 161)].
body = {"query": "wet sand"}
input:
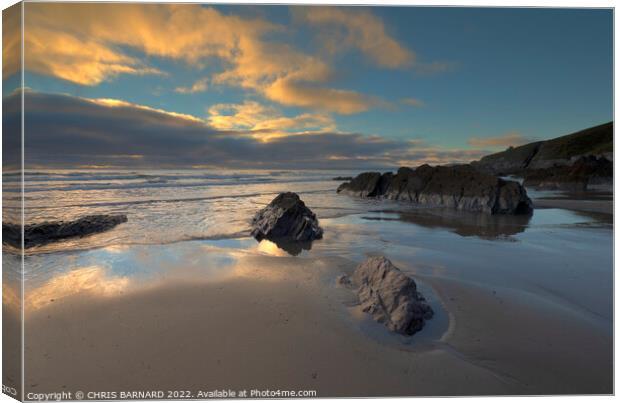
[(523, 306), (594, 206), (281, 323)]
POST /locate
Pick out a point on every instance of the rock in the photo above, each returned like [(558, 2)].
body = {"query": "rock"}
[(342, 178), (595, 141), (512, 161), (461, 187), (47, 232), (390, 296), (586, 173), (286, 219)]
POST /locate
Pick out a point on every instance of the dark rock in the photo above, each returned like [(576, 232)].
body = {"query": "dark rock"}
[(342, 178), (461, 187), (286, 219), (363, 185), (585, 173), (47, 232), (391, 297), (561, 151), (512, 161)]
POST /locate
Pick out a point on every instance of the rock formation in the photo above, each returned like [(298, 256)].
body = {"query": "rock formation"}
[(585, 173), (47, 232), (542, 161), (461, 187), (286, 219), (391, 297)]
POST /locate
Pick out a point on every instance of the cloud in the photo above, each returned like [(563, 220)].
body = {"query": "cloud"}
[(66, 131), (264, 122), (91, 43), (84, 43), (288, 92), (11, 40), (199, 86), (359, 29), (505, 140)]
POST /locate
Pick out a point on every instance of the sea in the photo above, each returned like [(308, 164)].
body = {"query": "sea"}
[(197, 221)]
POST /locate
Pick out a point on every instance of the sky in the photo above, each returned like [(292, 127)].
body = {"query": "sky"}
[(188, 85)]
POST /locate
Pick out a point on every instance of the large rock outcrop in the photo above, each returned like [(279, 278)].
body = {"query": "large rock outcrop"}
[(586, 173), (566, 150), (286, 219), (391, 297), (461, 187), (47, 232)]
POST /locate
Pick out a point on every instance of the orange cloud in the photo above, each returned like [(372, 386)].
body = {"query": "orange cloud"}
[(11, 40), (506, 140), (199, 86), (80, 42), (266, 123), (84, 43), (357, 28), (289, 92)]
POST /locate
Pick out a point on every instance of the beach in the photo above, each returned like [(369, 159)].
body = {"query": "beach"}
[(182, 298)]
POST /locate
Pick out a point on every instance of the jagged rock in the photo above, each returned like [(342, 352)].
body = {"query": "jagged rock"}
[(461, 187), (47, 232), (286, 219), (391, 297), (595, 141), (512, 161), (585, 173)]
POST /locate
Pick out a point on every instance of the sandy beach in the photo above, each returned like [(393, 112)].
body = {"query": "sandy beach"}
[(237, 314)]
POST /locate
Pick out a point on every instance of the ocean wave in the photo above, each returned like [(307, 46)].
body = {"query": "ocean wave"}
[(159, 182)]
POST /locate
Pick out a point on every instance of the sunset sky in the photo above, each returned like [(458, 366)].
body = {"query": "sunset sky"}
[(154, 85)]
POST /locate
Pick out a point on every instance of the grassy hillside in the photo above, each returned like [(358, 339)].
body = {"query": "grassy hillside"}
[(592, 141), (513, 155), (595, 140)]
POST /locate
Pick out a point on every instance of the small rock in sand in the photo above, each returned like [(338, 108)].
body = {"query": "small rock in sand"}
[(390, 296)]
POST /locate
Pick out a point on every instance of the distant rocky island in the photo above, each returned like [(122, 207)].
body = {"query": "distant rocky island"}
[(577, 161)]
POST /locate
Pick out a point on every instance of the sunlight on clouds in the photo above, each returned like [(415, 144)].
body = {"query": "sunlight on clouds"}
[(11, 40), (82, 61), (289, 92), (80, 42), (199, 86), (288, 77), (117, 103), (84, 44), (265, 123), (357, 28)]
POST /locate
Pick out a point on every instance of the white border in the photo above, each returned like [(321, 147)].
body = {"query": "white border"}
[(470, 3)]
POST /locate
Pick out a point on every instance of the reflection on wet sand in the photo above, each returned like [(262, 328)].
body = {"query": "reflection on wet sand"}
[(466, 224), (283, 248), (93, 280)]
